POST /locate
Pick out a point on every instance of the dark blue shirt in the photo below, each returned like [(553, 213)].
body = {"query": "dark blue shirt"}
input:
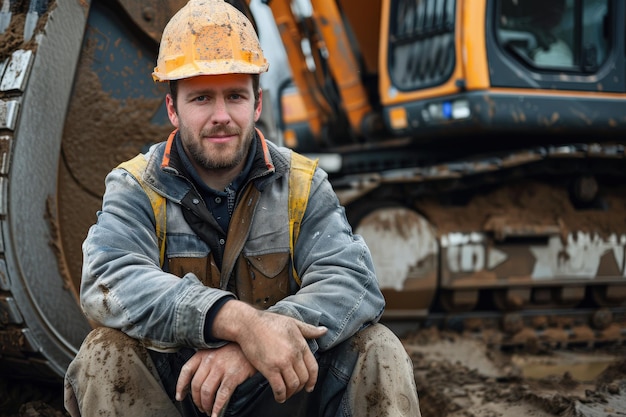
[(220, 203)]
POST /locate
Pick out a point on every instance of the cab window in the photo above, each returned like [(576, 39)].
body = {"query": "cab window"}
[(569, 35)]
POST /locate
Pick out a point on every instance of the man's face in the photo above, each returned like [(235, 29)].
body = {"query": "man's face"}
[(215, 115)]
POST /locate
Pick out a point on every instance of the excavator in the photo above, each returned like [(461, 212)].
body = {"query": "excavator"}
[(476, 145)]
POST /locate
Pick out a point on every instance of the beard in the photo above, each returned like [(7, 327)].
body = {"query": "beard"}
[(217, 156)]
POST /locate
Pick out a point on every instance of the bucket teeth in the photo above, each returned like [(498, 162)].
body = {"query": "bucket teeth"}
[(17, 70), (35, 9), (8, 114), (6, 12)]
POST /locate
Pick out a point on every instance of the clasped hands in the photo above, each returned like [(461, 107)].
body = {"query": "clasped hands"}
[(272, 344)]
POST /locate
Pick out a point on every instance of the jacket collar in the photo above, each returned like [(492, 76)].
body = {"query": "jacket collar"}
[(164, 174)]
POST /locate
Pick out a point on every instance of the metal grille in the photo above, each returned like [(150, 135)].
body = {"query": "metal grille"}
[(421, 43)]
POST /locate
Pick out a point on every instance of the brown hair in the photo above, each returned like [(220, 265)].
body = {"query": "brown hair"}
[(255, 87)]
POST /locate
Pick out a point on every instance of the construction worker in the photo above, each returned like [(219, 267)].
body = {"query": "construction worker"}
[(222, 273)]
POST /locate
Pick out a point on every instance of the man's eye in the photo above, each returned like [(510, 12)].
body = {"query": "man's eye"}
[(201, 98)]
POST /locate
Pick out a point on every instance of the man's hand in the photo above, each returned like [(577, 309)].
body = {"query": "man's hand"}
[(274, 344), (214, 374)]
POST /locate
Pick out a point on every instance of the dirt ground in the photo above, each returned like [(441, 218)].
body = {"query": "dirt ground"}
[(457, 376), (460, 376)]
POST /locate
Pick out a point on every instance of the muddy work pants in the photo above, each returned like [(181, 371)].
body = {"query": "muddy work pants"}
[(368, 375)]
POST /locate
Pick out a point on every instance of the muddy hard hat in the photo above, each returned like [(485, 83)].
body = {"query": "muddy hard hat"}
[(208, 37)]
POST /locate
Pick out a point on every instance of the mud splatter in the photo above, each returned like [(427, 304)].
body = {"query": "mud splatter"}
[(530, 203), (100, 132), (13, 37)]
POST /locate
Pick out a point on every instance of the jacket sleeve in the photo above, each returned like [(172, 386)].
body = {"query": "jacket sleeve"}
[(123, 286), (339, 286)]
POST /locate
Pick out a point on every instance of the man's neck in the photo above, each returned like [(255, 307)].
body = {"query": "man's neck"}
[(215, 179), (218, 179)]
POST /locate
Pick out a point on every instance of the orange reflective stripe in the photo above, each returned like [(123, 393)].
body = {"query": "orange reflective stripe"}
[(266, 152), (168, 148)]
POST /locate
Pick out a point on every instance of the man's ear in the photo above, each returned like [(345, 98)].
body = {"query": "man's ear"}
[(171, 110), (259, 106)]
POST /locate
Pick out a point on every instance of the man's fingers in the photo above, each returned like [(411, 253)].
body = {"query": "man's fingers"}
[(302, 370), (313, 368), (309, 331), (203, 386), (292, 381), (212, 375), (200, 380), (222, 397), (278, 387), (184, 379)]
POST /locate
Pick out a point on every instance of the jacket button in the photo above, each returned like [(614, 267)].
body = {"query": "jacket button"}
[(222, 241), (195, 201)]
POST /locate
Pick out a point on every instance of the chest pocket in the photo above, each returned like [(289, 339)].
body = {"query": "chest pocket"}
[(263, 280), (204, 268), (260, 280)]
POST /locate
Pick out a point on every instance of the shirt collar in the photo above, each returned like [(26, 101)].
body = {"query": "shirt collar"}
[(195, 176)]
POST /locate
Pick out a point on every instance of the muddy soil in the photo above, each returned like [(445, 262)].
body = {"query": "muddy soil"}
[(460, 376), (457, 376)]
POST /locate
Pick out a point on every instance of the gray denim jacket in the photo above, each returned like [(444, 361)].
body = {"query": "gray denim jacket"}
[(124, 287)]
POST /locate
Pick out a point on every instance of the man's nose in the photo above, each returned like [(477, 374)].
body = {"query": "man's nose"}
[(220, 112)]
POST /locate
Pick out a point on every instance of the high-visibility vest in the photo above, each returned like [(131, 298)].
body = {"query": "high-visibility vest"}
[(300, 178)]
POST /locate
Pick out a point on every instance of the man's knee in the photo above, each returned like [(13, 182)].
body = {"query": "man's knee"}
[(103, 339), (378, 346), (104, 352), (114, 371), (383, 382), (378, 336)]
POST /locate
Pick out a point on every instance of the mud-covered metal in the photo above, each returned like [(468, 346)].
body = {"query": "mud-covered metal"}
[(36, 8), (116, 110), (17, 71), (151, 16), (499, 166), (405, 253), (575, 256), (8, 113), (526, 238), (42, 323)]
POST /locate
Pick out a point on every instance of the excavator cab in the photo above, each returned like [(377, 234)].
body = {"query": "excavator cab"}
[(486, 135), (454, 68)]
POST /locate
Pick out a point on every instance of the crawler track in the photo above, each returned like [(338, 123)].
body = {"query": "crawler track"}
[(529, 330)]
